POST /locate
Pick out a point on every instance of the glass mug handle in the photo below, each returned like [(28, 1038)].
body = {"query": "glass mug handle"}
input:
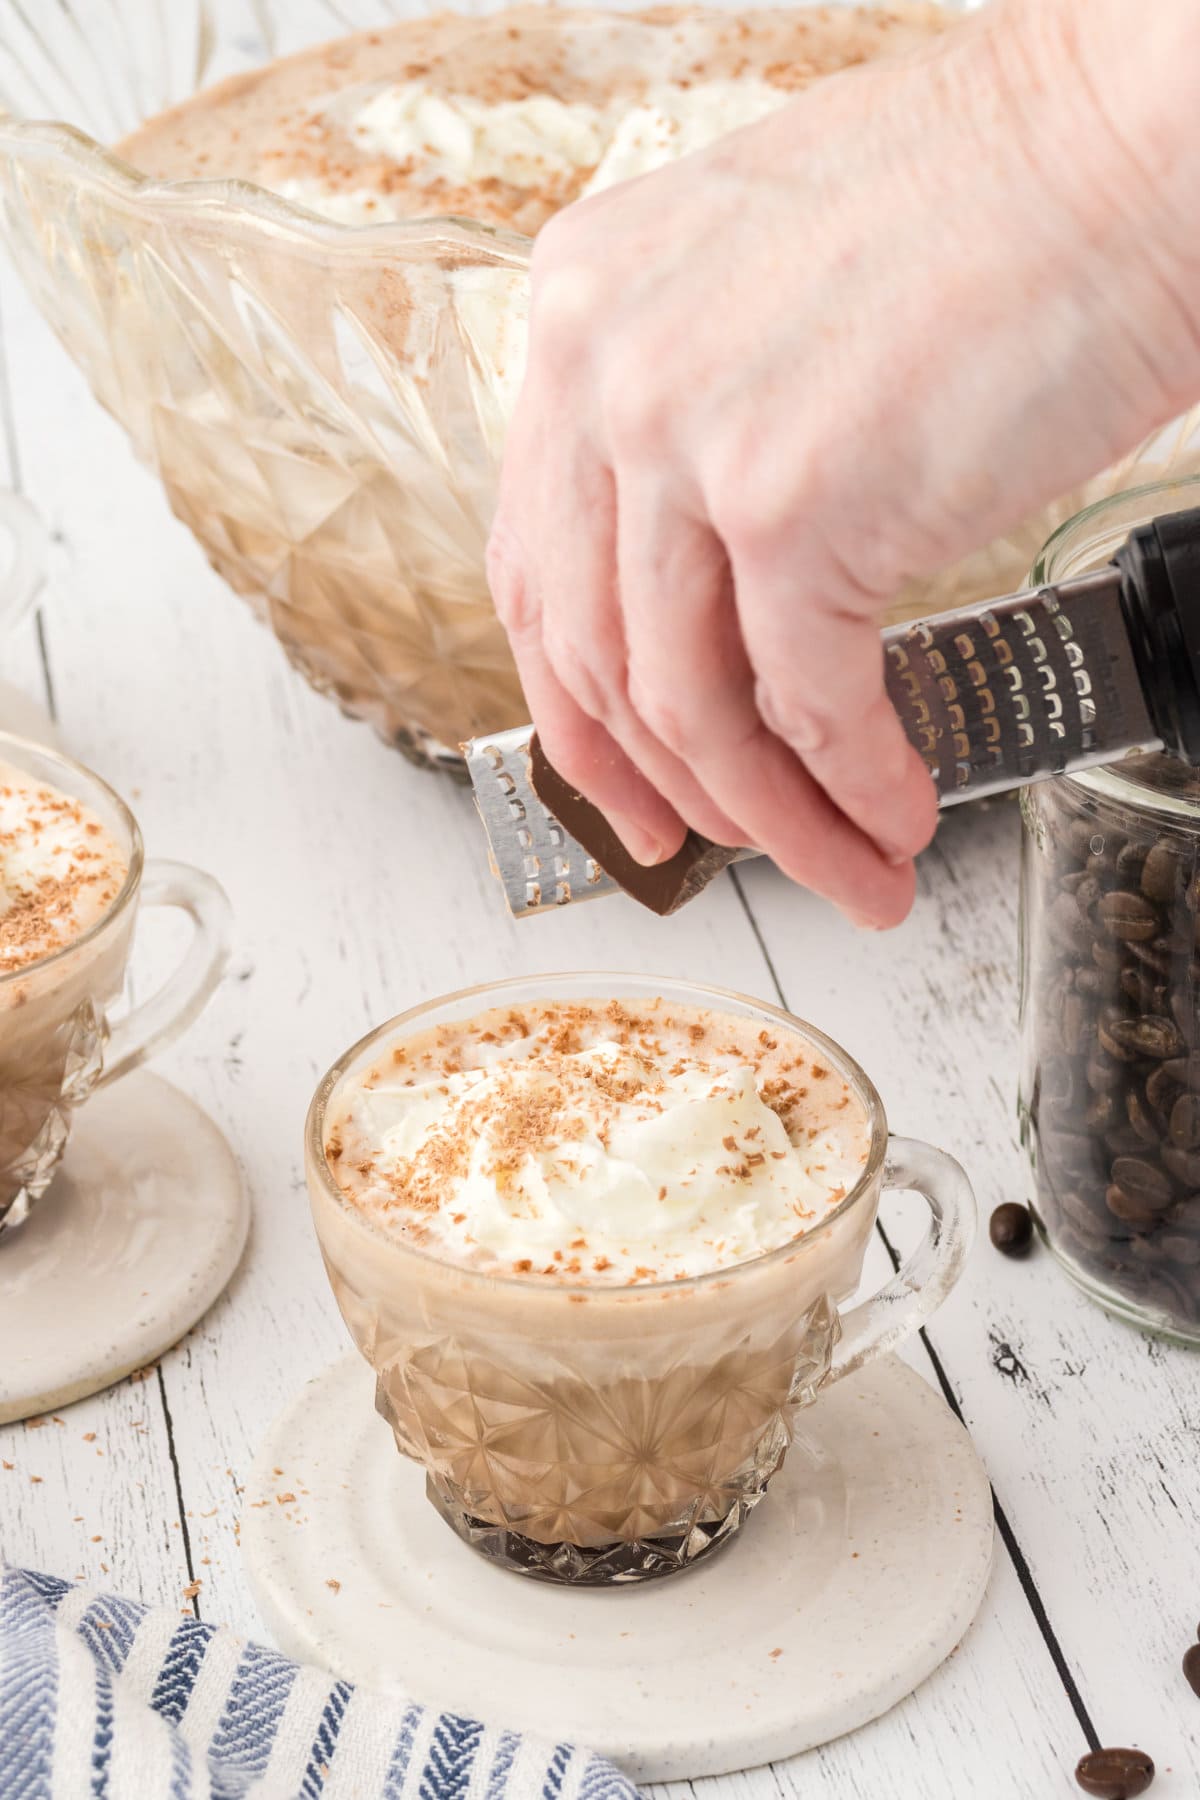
[(183, 996), (923, 1281), (29, 543)]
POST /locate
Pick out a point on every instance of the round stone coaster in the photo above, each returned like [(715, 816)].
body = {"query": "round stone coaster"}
[(854, 1578), (138, 1235)]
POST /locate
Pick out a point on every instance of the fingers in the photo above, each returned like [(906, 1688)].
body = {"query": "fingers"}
[(569, 643), (819, 688), (693, 684), (578, 746)]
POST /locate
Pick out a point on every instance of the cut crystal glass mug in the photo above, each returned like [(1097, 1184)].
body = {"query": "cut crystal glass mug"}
[(604, 1434), (57, 1044)]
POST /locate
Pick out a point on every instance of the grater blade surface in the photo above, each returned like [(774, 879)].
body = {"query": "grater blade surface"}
[(1025, 687), (538, 865), (992, 697)]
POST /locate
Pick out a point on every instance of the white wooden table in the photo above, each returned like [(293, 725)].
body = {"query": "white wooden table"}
[(360, 886)]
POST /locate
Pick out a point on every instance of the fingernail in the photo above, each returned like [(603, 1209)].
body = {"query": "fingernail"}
[(643, 848)]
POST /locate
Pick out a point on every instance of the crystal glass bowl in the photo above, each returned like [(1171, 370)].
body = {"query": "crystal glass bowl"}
[(314, 396)]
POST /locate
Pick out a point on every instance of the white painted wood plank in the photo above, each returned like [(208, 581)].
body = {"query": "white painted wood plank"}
[(89, 1494), (360, 886)]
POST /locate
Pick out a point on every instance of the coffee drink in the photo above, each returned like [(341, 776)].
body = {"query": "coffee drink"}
[(593, 1247), (62, 870), (71, 877), (592, 1237)]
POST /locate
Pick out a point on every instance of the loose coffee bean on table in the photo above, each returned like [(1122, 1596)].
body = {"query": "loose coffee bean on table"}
[(1115, 1774), (1011, 1228), (1191, 1667), (1111, 1083)]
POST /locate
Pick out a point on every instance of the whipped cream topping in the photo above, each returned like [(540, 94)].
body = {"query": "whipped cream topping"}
[(539, 143), (60, 869), (607, 1160)]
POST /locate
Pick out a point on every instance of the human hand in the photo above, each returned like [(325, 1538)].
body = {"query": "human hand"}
[(773, 382)]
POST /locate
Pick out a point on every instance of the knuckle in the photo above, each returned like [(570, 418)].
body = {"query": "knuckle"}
[(671, 719), (566, 312), (751, 516), (592, 680), (637, 404), (512, 597), (790, 715)]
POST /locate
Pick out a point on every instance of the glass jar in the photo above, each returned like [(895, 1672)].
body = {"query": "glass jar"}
[(1110, 998)]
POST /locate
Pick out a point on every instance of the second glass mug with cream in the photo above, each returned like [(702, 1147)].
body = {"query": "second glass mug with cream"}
[(582, 1429), (57, 1042)]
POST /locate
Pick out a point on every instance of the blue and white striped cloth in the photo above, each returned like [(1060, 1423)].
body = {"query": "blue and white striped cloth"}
[(104, 1699)]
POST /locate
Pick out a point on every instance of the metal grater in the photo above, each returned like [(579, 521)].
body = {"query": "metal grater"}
[(992, 696)]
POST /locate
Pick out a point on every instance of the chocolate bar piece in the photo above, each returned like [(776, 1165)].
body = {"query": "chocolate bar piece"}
[(664, 887)]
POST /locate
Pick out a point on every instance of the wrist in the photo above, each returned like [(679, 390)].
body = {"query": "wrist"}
[(1101, 94)]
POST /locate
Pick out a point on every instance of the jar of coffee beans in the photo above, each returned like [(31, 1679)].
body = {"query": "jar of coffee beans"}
[(1110, 1000)]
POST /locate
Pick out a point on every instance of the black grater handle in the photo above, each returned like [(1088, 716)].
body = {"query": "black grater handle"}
[(1160, 600)]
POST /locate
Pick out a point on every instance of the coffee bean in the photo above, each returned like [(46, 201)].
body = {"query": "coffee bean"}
[(1141, 1118), (1154, 956), (1131, 860), (1185, 1215), (1185, 1010), (1076, 1024), (1163, 871), (1144, 1180), (1065, 927), (1184, 1165), (1123, 1140), (1145, 1036), (1111, 1038), (1191, 1667), (1147, 993), (1162, 1089), (1100, 1113), (1011, 1229), (1115, 1774), (1185, 1122), (1185, 1070), (1128, 916), (1103, 1073), (1131, 1208), (1106, 956)]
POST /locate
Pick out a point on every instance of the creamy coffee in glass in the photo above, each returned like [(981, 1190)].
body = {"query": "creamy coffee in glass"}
[(71, 875), (592, 1234)]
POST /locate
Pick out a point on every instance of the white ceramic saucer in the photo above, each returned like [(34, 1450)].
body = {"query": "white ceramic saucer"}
[(138, 1235), (851, 1582)]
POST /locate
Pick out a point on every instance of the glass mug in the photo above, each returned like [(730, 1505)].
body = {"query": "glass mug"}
[(56, 1042), (1110, 998), (600, 1434)]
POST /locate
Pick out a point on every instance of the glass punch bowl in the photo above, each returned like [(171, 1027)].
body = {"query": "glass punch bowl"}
[(314, 396)]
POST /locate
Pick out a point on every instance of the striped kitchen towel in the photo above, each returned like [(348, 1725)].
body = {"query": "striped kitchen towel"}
[(104, 1699)]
